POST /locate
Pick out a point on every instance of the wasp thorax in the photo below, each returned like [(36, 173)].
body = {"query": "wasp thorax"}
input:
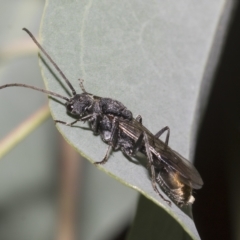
[(80, 104)]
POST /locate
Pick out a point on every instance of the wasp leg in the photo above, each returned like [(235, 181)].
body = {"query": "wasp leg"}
[(150, 160), (112, 141), (138, 144), (95, 123), (65, 123), (109, 149), (159, 133), (139, 118), (86, 118), (94, 120)]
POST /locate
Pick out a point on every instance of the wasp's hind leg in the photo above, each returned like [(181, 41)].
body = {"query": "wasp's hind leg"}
[(143, 139), (138, 144), (153, 173), (159, 133)]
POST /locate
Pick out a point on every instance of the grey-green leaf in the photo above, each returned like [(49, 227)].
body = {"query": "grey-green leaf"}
[(150, 55)]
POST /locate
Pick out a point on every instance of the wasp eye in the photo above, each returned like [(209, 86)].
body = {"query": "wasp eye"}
[(69, 107)]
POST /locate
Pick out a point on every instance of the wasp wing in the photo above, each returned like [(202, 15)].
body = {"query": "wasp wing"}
[(176, 162), (164, 155)]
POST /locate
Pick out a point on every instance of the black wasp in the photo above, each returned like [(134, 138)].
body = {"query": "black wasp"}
[(117, 127), (176, 175)]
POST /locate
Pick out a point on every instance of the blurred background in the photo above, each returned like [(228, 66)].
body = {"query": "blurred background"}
[(217, 156), (47, 191)]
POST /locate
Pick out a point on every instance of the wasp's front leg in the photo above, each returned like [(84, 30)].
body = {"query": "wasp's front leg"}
[(67, 124)]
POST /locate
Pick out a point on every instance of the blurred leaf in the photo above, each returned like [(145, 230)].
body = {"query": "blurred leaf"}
[(25, 128), (152, 222)]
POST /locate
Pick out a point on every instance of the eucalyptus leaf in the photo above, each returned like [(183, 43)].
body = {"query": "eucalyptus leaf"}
[(150, 55)]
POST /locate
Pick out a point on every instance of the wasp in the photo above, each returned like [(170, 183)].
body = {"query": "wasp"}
[(117, 127), (176, 175)]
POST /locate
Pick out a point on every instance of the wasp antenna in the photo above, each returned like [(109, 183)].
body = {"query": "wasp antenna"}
[(51, 60), (81, 85), (34, 88)]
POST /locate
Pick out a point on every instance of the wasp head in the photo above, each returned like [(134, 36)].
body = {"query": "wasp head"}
[(80, 104)]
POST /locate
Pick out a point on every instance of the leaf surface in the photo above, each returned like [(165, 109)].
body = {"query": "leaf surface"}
[(148, 55)]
